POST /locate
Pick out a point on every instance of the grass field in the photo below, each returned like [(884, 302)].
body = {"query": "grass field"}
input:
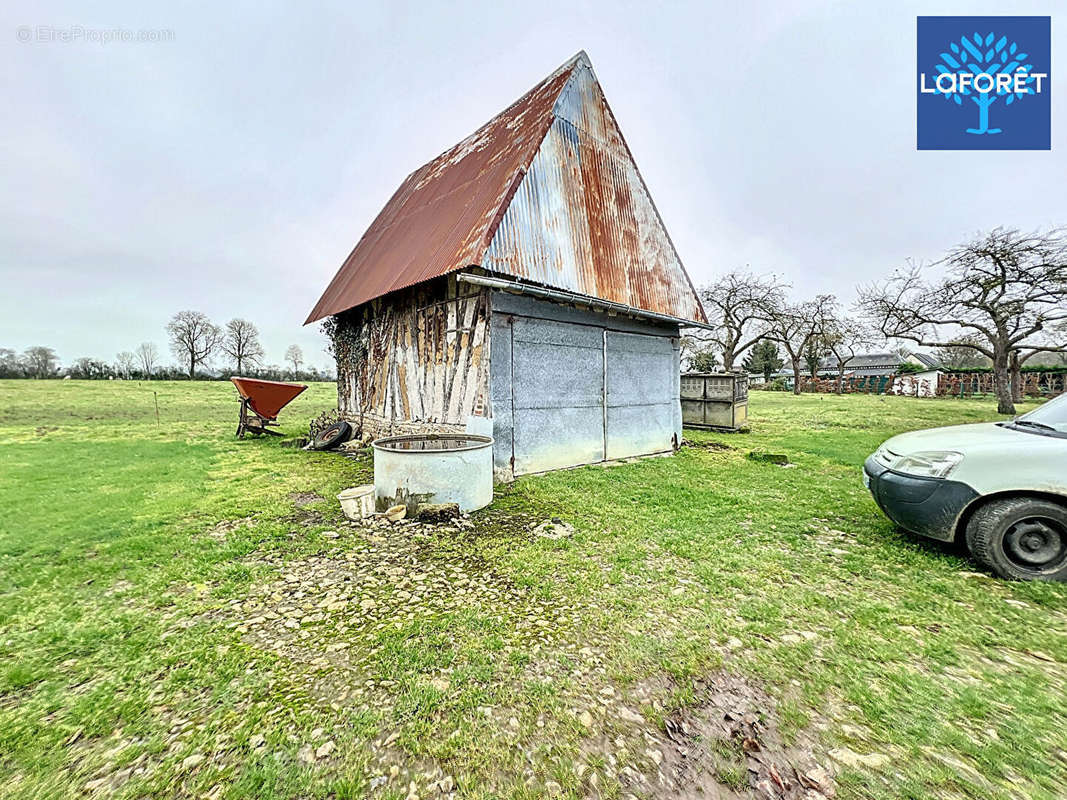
[(186, 615)]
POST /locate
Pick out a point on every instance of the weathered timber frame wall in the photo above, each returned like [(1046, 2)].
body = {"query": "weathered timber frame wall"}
[(415, 360)]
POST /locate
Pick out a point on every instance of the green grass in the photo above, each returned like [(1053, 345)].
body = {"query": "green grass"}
[(129, 641)]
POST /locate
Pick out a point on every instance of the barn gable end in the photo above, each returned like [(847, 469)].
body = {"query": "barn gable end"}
[(581, 218), (547, 192)]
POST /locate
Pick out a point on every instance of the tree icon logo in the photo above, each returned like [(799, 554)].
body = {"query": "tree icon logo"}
[(983, 57), (1002, 63)]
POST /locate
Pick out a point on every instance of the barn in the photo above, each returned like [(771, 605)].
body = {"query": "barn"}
[(523, 285)]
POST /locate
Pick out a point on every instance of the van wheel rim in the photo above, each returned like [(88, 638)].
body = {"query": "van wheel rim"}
[(1036, 543)]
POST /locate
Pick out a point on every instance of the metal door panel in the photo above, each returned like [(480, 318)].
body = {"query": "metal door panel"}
[(557, 381), (642, 394)]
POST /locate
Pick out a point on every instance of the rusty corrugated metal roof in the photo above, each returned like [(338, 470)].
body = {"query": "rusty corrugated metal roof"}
[(546, 191)]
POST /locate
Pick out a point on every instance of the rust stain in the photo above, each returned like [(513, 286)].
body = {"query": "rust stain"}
[(547, 191), (441, 216)]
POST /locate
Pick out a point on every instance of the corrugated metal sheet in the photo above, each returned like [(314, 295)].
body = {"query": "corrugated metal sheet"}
[(547, 192), (568, 390)]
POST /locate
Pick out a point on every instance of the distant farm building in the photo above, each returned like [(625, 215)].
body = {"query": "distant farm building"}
[(865, 365), (520, 284)]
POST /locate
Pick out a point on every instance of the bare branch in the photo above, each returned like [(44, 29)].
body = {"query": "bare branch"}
[(741, 305), (1001, 293)]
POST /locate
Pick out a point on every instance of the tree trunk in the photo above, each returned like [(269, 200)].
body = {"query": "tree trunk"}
[(840, 379), (1016, 378), (192, 367), (796, 375), (727, 360), (1002, 384)]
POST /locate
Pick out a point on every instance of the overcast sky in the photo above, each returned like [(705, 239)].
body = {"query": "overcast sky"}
[(231, 169)]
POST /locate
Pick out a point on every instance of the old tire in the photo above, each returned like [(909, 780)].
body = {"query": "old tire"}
[(1021, 538), (332, 436)]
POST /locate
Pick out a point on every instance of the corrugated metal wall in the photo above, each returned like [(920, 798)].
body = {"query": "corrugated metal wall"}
[(581, 218), (571, 386)]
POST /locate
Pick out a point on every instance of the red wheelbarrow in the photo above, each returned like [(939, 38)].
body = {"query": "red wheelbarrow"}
[(260, 403)]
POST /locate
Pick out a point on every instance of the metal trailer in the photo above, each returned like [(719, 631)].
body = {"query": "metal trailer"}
[(714, 400)]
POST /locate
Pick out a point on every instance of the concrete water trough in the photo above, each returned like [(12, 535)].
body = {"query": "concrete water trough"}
[(433, 468)]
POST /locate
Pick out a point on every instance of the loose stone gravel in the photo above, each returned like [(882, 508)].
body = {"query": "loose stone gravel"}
[(389, 611)]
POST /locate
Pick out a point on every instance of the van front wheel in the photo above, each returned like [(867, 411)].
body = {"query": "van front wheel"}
[(1021, 538)]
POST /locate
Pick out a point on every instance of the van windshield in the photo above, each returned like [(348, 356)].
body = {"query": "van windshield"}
[(1052, 414)]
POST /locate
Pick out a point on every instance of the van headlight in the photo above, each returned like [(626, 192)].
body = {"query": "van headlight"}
[(928, 464)]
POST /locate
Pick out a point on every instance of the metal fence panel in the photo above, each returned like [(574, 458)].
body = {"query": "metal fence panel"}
[(714, 400)]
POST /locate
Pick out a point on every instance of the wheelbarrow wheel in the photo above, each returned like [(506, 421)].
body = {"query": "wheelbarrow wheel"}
[(331, 436)]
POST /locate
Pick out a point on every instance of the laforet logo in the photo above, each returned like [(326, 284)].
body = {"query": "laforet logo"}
[(984, 83), (984, 73)]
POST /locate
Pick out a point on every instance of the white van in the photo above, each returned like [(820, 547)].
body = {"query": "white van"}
[(1002, 485)]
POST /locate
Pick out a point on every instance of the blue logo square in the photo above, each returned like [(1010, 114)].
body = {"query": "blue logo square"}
[(984, 83)]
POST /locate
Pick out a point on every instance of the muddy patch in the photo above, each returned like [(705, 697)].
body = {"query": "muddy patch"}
[(301, 499), (724, 744), (729, 741), (306, 517), (717, 447), (222, 531)]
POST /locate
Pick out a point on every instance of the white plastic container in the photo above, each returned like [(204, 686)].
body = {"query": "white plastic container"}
[(357, 502)]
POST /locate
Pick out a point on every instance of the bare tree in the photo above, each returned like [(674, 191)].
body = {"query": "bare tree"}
[(10, 364), (1006, 289), (241, 343), (295, 356), (40, 362), (844, 338), (193, 338), (741, 306), (125, 363), (962, 353), (147, 356), (796, 326)]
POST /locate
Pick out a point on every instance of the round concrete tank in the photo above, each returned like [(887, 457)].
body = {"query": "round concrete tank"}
[(434, 468)]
